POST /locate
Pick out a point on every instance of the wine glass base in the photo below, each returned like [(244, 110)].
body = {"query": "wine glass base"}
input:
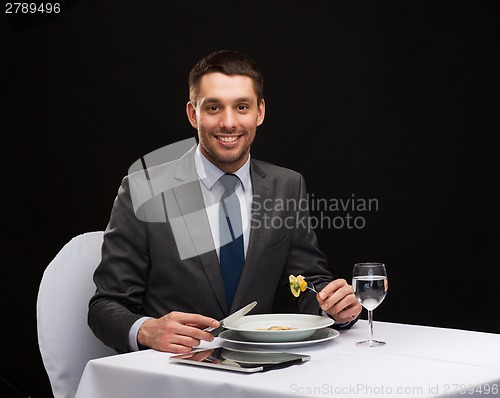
[(370, 343)]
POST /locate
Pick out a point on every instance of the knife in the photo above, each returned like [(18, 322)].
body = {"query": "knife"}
[(231, 318)]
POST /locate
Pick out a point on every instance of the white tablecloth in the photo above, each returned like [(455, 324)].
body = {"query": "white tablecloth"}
[(417, 361)]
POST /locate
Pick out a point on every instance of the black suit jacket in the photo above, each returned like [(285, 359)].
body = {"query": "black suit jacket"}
[(142, 272)]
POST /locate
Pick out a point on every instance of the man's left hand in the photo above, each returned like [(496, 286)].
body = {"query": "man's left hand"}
[(338, 300)]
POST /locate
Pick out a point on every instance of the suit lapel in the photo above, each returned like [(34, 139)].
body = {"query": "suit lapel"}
[(258, 236), (189, 198)]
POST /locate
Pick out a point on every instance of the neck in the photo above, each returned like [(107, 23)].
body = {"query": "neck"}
[(226, 167)]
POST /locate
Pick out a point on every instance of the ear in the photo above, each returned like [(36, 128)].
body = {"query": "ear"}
[(262, 112), (191, 114)]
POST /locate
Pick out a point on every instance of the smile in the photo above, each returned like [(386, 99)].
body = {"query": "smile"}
[(228, 139)]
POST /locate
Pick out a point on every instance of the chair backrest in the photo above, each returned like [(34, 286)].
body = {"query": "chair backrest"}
[(65, 340)]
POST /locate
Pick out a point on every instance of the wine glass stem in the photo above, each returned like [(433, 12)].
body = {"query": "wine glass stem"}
[(370, 323)]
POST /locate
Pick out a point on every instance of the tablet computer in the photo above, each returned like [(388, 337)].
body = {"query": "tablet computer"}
[(239, 360)]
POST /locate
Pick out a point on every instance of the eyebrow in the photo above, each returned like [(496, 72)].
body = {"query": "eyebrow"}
[(217, 100)]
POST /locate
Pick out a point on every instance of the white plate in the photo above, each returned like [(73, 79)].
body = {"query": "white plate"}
[(318, 336), (253, 327)]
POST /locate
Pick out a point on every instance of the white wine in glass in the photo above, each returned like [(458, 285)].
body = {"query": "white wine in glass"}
[(369, 282)]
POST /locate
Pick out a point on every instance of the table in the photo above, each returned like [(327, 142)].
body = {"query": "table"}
[(417, 361)]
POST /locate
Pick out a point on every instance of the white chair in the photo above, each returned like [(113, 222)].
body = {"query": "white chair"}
[(65, 340)]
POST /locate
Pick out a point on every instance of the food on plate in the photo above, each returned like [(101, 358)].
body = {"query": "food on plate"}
[(297, 284), (278, 328)]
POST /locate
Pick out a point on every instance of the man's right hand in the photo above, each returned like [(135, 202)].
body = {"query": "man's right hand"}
[(176, 332)]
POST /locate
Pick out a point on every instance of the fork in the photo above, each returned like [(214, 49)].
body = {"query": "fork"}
[(311, 287)]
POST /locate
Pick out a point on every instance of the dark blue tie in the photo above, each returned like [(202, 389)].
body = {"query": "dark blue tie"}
[(231, 256)]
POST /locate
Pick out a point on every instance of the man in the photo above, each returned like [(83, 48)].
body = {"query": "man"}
[(150, 293)]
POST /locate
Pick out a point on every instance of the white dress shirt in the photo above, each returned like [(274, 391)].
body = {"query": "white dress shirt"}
[(213, 190)]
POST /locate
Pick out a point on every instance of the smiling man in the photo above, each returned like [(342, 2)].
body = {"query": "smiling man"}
[(149, 294), (226, 111)]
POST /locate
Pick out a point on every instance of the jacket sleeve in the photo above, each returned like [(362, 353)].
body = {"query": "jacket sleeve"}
[(121, 276), (306, 259)]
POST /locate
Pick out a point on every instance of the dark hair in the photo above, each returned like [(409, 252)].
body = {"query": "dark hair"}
[(228, 62)]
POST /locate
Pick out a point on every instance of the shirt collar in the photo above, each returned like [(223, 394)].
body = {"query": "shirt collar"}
[(209, 173)]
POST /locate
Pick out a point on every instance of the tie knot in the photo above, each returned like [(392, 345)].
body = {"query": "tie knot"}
[(229, 182)]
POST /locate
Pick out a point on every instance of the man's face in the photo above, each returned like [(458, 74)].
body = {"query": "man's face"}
[(226, 116)]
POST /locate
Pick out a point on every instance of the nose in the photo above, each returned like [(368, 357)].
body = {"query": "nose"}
[(228, 120)]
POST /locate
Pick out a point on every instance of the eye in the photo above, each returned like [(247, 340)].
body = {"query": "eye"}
[(242, 107), (212, 108)]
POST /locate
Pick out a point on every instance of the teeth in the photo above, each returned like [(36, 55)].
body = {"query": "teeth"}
[(227, 139)]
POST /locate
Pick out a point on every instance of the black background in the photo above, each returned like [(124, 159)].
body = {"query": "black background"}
[(396, 101)]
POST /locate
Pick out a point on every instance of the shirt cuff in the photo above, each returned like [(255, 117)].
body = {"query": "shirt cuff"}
[(336, 324), (132, 334)]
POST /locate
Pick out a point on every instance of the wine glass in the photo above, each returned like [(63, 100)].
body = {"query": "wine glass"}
[(369, 282)]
